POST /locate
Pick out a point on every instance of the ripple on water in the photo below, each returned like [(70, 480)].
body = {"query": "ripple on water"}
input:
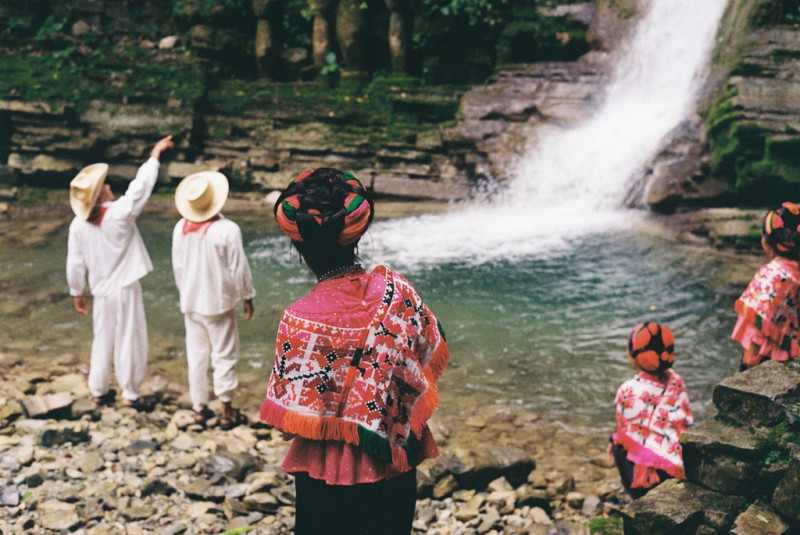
[(545, 332)]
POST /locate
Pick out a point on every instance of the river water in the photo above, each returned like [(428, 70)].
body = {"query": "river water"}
[(546, 332), (537, 289)]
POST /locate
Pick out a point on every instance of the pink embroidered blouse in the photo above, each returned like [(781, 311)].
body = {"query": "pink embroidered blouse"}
[(346, 302), (651, 416), (768, 311)]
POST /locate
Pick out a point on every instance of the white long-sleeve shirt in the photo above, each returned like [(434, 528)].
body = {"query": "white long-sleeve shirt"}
[(113, 253), (211, 269)]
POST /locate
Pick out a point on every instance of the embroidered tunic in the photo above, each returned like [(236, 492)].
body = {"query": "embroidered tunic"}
[(366, 384), (651, 416), (769, 309)]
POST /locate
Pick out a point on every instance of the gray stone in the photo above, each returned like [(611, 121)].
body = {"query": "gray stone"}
[(140, 512), (678, 507), (261, 501), (92, 462), (80, 28), (722, 457), (786, 494), (39, 406), (58, 516), (474, 468), (444, 487), (759, 519), (229, 464), (168, 42), (760, 396), (9, 495), (62, 433)]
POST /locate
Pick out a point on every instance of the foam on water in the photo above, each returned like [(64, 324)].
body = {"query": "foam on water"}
[(573, 181)]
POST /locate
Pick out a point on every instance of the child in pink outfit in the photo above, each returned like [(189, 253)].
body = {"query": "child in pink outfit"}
[(652, 411), (767, 324)]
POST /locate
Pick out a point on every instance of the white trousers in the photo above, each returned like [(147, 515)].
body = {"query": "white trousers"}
[(120, 329), (213, 338)]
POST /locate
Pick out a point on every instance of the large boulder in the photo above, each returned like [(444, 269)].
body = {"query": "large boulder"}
[(680, 508)]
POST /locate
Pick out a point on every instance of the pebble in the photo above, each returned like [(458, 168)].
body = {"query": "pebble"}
[(114, 470)]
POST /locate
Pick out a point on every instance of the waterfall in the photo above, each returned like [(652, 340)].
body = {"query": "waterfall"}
[(573, 180)]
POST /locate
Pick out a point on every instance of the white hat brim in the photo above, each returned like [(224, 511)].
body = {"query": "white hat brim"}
[(97, 173), (219, 189)]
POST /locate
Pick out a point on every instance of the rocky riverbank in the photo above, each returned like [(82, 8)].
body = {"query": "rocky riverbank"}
[(69, 466)]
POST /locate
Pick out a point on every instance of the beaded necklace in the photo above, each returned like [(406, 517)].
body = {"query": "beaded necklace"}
[(338, 272)]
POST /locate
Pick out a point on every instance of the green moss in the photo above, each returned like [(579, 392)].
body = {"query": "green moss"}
[(605, 526), (782, 54), (111, 73), (373, 114), (624, 9), (762, 165), (32, 196), (542, 39), (746, 68), (772, 447)]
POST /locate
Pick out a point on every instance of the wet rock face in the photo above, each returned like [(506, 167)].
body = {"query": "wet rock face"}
[(741, 467)]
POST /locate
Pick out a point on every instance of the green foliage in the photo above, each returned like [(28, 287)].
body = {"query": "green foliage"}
[(216, 10), (791, 11), (32, 196), (113, 73), (773, 446), (238, 531), (296, 23), (51, 27), (474, 12), (605, 526), (462, 41), (542, 39), (331, 67)]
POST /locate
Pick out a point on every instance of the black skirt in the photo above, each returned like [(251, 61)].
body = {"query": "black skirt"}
[(385, 507)]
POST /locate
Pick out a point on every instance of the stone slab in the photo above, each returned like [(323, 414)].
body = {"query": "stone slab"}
[(759, 519), (759, 396), (679, 507)]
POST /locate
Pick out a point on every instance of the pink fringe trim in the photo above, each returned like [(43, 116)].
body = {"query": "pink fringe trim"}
[(640, 455)]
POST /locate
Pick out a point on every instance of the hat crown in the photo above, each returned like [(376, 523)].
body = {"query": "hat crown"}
[(201, 195), (198, 192), (85, 188)]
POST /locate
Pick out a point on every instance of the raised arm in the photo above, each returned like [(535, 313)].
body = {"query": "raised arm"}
[(141, 187)]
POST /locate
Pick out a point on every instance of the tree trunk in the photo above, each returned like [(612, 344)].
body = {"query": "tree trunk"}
[(323, 38), (266, 49), (399, 34)]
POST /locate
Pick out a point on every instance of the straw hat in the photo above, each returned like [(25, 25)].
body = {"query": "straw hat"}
[(200, 196), (85, 188)]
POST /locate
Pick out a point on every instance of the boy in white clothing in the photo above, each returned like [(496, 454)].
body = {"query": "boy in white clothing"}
[(212, 275), (105, 244)]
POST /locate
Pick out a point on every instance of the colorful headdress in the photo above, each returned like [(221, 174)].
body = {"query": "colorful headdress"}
[(349, 208), (781, 227), (652, 347)]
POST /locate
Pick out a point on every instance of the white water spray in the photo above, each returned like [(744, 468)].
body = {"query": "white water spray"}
[(573, 180)]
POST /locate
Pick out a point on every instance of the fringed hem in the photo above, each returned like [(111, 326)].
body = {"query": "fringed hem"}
[(308, 426), (331, 428), (640, 455), (767, 328), (424, 408)]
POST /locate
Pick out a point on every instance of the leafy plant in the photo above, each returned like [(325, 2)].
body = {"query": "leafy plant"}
[(605, 526), (332, 71), (50, 27)]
